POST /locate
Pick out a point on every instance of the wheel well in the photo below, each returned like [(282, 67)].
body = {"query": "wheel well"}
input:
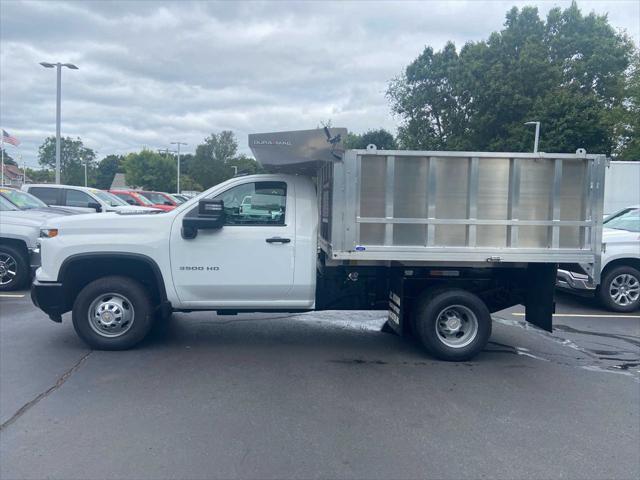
[(75, 274), (619, 262), (19, 244)]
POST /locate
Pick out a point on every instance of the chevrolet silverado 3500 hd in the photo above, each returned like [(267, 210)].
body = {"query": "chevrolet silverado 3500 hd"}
[(439, 239)]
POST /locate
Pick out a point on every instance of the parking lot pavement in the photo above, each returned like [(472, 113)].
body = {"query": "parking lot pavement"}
[(320, 395)]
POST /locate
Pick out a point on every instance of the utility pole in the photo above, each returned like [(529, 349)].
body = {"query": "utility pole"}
[(24, 169), (535, 142), (178, 144), (58, 66)]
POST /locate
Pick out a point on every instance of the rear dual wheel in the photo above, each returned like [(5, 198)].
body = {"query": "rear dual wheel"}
[(452, 325)]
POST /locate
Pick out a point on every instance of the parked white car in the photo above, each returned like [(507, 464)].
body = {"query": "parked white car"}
[(81, 198), (619, 288)]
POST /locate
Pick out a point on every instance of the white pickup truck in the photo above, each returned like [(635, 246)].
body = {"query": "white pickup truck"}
[(439, 239)]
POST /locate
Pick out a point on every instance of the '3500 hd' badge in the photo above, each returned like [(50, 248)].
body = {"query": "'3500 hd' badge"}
[(199, 269)]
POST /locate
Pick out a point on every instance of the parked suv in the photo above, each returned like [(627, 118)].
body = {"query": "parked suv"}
[(134, 197), (619, 288), (80, 198), (19, 232), (26, 201)]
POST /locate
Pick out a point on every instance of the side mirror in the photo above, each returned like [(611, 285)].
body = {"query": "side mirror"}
[(130, 201), (167, 202), (210, 216), (96, 206)]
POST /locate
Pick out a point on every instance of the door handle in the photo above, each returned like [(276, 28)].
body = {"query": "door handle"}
[(278, 240)]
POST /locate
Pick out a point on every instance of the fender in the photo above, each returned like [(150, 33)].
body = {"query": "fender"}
[(157, 273)]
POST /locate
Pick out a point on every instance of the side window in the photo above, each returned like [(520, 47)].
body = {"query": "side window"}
[(76, 198), (50, 196), (258, 203)]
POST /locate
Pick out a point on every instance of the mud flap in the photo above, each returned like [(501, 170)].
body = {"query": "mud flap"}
[(539, 301), (395, 320)]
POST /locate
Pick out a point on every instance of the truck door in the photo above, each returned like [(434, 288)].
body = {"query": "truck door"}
[(247, 262)]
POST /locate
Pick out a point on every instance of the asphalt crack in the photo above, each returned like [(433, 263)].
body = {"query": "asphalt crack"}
[(41, 396)]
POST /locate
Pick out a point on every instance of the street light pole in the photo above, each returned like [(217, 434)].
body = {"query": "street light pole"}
[(535, 142), (58, 67), (178, 183)]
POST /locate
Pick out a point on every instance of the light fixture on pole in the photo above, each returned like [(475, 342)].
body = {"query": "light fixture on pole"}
[(535, 142), (58, 66), (178, 183)]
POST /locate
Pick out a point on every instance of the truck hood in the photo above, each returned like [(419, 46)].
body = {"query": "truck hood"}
[(28, 218), (133, 209), (109, 222), (611, 235)]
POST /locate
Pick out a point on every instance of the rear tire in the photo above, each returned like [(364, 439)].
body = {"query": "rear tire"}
[(620, 289), (14, 268), (452, 325), (113, 313)]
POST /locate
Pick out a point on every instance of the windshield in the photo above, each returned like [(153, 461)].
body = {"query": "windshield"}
[(144, 199), (6, 205), (109, 198), (155, 197), (628, 220), (176, 198), (23, 200)]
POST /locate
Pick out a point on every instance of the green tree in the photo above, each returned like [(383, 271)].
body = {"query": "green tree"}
[(41, 176), (567, 72), (214, 158), (628, 119), (189, 184), (150, 170), (8, 159), (381, 138), (107, 168), (73, 155)]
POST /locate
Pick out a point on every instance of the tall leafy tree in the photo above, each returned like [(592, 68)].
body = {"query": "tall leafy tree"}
[(381, 138), (73, 155), (150, 170), (214, 158), (107, 168), (568, 72), (628, 118)]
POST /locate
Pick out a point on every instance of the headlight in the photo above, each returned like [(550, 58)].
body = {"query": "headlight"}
[(48, 232)]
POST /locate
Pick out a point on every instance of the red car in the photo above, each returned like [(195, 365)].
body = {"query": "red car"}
[(134, 197), (160, 198)]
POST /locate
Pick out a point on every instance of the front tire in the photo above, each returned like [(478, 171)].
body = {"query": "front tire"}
[(620, 289), (452, 325), (14, 268), (113, 313)]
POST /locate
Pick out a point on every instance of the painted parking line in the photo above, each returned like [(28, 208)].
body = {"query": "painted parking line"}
[(586, 315), (12, 295)]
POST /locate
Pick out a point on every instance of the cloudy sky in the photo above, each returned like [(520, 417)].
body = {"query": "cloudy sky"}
[(153, 72)]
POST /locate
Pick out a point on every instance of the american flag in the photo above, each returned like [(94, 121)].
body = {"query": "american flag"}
[(6, 138)]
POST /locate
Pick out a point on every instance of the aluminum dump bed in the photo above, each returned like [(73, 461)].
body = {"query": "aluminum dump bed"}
[(453, 207)]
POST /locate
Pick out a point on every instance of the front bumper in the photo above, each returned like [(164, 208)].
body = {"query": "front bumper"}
[(50, 298), (568, 280), (34, 259)]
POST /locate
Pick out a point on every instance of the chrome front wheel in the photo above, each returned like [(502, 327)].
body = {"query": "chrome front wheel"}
[(111, 315)]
